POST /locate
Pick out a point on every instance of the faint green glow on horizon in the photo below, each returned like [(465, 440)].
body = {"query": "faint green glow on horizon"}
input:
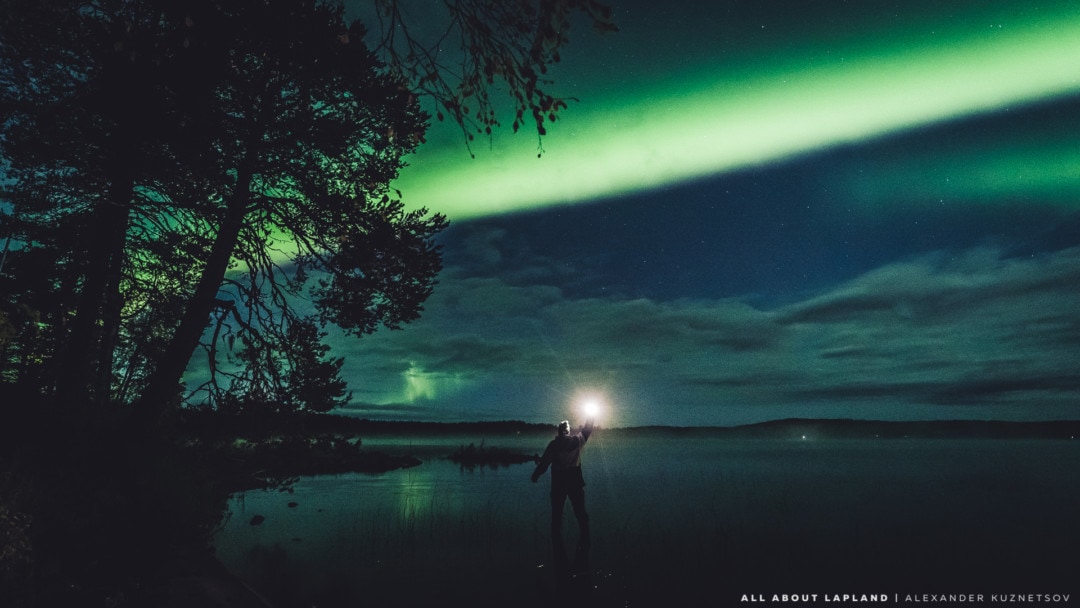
[(417, 385), (421, 385), (605, 148)]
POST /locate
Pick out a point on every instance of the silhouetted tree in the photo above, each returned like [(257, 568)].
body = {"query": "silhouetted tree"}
[(89, 105), (180, 164)]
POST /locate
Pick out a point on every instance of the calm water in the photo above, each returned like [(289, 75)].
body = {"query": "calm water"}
[(675, 522)]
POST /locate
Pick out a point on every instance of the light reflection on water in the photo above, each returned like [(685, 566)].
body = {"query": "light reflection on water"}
[(694, 518)]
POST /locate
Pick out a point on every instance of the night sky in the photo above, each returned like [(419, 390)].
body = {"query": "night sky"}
[(759, 210)]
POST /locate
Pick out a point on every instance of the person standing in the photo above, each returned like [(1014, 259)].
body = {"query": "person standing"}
[(563, 456)]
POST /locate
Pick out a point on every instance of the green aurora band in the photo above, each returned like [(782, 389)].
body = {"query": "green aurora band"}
[(709, 120)]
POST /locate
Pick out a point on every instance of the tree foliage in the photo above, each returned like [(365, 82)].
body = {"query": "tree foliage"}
[(479, 44), (196, 177)]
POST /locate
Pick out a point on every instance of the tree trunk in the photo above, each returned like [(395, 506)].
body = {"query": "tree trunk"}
[(164, 383), (88, 355), (111, 312), (85, 373)]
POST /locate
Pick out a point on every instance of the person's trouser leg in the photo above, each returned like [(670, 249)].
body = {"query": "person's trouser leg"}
[(577, 501), (558, 500)]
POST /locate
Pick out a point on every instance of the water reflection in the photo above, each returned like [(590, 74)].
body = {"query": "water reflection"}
[(685, 519)]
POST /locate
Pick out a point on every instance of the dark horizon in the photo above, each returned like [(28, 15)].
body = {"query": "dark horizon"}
[(826, 427)]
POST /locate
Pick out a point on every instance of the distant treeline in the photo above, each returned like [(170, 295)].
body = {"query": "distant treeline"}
[(208, 424), (798, 428)]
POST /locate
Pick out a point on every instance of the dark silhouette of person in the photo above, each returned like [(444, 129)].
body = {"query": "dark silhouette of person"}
[(563, 455)]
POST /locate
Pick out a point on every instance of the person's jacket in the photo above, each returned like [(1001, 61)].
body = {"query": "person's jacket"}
[(563, 453)]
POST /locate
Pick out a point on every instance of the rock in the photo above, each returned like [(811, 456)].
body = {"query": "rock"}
[(258, 519)]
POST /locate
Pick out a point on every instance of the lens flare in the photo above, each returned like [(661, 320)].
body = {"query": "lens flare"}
[(590, 404), (591, 408)]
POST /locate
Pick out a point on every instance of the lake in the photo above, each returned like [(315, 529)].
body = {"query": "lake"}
[(677, 519)]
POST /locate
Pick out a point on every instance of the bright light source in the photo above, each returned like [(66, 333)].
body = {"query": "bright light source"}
[(591, 407), (589, 403)]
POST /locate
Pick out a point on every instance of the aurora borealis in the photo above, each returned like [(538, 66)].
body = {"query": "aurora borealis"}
[(760, 210), (728, 87)]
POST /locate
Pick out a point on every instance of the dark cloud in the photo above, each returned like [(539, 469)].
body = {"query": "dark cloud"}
[(496, 249), (1034, 390), (951, 285), (1037, 391), (976, 327)]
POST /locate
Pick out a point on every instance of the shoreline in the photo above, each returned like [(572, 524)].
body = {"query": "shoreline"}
[(214, 425)]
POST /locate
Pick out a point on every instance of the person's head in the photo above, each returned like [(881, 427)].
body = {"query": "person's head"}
[(564, 427)]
